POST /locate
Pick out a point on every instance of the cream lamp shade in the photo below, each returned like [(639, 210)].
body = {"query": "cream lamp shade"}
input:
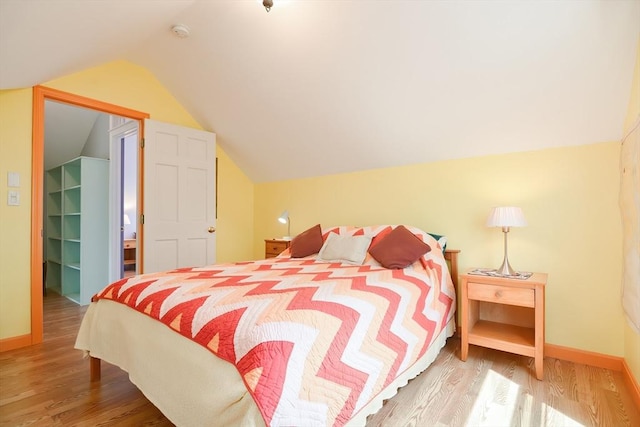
[(506, 216)]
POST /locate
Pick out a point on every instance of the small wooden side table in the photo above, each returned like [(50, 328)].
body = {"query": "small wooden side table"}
[(129, 253), (504, 314), (274, 247)]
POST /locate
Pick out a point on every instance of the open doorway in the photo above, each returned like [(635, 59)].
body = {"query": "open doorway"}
[(40, 96), (89, 236), (123, 198), (130, 214)]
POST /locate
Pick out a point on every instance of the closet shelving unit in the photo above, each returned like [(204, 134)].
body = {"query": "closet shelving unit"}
[(77, 228)]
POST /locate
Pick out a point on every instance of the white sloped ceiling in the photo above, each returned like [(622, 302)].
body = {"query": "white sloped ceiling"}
[(320, 87)]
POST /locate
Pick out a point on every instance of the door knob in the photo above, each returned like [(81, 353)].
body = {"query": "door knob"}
[(211, 229)]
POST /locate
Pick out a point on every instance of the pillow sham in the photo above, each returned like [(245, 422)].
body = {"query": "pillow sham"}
[(398, 249), (345, 248), (442, 240), (307, 243)]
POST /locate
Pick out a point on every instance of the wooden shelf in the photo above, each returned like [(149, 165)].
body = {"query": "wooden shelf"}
[(505, 337)]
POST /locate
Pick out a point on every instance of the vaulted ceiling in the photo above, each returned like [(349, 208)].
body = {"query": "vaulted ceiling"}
[(321, 87)]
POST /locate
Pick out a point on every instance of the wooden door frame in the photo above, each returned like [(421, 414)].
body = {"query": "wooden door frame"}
[(40, 95)]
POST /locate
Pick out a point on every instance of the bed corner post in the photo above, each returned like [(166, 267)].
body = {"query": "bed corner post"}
[(451, 255), (95, 368)]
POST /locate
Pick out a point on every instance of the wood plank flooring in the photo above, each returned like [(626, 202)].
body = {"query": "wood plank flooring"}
[(48, 385)]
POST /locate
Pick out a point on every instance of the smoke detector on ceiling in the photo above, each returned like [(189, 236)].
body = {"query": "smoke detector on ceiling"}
[(180, 30)]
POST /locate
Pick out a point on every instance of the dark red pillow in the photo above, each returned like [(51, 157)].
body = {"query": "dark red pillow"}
[(307, 243), (398, 249)]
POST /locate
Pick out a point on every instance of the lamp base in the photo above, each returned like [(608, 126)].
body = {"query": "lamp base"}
[(287, 238), (505, 269)]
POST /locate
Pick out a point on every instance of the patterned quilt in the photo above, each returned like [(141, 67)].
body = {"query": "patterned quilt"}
[(313, 341)]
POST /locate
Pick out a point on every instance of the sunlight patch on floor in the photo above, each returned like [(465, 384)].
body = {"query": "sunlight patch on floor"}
[(495, 403), (499, 398), (527, 412), (552, 417)]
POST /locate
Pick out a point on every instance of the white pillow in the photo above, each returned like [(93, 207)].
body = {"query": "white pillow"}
[(344, 248)]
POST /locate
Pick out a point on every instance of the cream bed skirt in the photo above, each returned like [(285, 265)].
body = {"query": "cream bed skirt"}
[(170, 369)]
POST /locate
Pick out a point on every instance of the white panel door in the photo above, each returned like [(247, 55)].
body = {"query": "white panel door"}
[(179, 197)]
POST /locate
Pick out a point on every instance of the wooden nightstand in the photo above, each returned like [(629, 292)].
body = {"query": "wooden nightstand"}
[(129, 253), (504, 314), (274, 247)]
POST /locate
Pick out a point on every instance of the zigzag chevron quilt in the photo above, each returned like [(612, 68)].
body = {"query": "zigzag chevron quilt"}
[(313, 341)]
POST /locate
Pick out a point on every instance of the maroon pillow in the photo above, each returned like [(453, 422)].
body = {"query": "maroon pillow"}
[(399, 248), (307, 243)]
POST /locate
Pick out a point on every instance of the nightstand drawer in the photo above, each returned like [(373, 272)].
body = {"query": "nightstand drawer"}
[(274, 248), (524, 297)]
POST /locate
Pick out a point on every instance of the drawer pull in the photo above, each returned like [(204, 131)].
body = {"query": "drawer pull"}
[(498, 294)]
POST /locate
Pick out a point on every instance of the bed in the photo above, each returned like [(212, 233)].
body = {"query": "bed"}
[(320, 335)]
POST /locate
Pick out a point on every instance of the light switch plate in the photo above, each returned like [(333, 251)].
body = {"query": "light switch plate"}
[(13, 198), (13, 179)]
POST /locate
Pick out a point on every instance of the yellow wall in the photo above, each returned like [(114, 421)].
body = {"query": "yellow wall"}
[(569, 196), (15, 225), (127, 85), (631, 337), (235, 212)]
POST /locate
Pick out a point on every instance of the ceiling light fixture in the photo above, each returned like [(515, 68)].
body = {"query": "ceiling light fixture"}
[(180, 30), (268, 4)]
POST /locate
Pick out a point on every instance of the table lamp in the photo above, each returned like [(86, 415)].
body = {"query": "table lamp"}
[(506, 217), (284, 219)]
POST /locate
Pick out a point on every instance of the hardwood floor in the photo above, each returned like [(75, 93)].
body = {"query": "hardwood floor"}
[(48, 385)]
